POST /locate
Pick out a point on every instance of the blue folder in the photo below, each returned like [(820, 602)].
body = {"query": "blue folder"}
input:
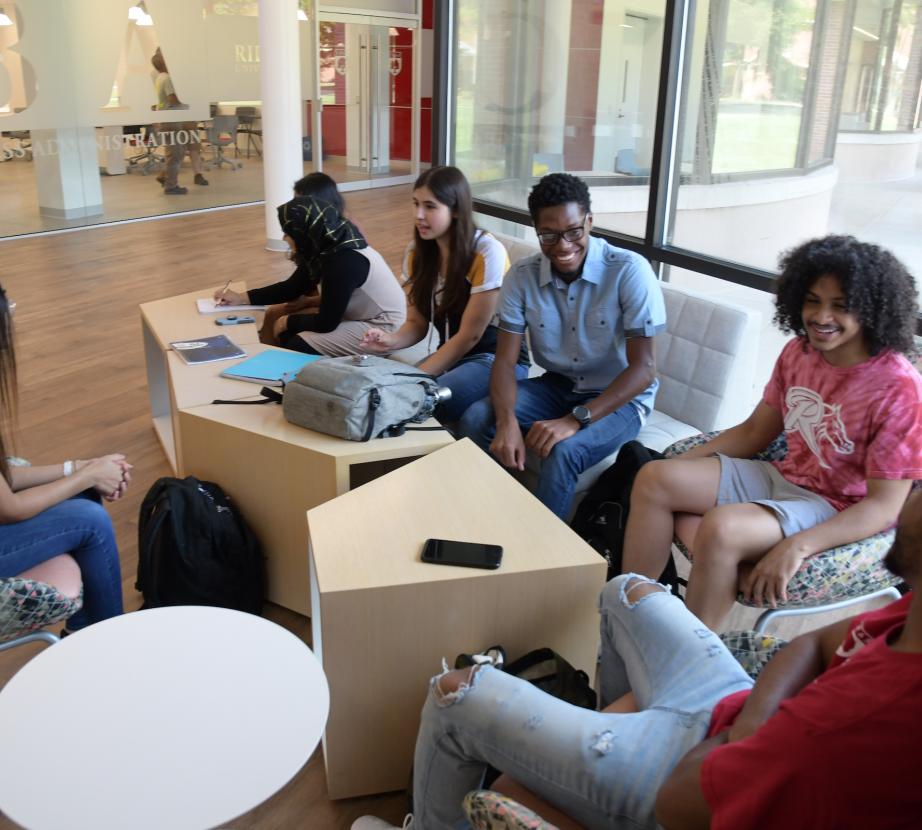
[(269, 368)]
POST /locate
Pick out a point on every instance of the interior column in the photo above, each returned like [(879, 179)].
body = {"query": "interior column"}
[(67, 172), (280, 83)]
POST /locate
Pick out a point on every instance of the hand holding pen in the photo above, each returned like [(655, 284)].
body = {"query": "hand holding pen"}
[(227, 297)]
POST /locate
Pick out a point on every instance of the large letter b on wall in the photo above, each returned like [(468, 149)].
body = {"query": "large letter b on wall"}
[(17, 78)]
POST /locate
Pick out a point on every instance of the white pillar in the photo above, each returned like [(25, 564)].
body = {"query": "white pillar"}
[(67, 172), (111, 151), (280, 83)]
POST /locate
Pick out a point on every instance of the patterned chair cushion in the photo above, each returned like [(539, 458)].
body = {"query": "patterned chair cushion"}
[(775, 451), (489, 810), (752, 650), (28, 605), (845, 572)]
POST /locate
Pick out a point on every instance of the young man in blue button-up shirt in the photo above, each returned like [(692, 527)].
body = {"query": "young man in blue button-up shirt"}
[(591, 310)]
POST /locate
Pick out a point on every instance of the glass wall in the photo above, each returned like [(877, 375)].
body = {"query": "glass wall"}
[(88, 123), (366, 85), (83, 140), (750, 115), (781, 120), (882, 78), (551, 85)]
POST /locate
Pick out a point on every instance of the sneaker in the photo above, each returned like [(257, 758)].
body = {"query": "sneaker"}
[(200, 179), (485, 808), (176, 190), (493, 656), (374, 823)]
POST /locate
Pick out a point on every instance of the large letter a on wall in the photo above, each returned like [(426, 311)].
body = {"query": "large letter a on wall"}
[(131, 85)]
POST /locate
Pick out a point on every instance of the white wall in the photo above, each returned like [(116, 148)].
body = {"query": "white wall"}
[(76, 50), (877, 157)]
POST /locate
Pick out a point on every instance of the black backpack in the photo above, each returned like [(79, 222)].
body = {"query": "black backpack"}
[(601, 518), (194, 548)]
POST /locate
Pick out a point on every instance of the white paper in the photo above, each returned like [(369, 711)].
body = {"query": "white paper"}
[(208, 306)]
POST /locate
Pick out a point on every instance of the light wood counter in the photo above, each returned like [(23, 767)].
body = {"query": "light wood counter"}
[(383, 620), (177, 318)]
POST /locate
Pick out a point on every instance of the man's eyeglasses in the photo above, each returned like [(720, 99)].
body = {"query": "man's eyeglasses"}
[(570, 235)]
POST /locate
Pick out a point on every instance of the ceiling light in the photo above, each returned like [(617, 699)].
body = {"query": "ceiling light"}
[(144, 20), (5, 19), (135, 12), (302, 15)]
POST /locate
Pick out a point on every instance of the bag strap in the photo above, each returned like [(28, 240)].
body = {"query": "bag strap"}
[(413, 375), (374, 401), (269, 396), (153, 516)]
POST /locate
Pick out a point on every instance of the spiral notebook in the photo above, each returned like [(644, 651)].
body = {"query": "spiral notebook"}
[(269, 368), (207, 349)]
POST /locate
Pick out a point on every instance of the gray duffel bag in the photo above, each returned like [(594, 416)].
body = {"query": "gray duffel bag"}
[(360, 398)]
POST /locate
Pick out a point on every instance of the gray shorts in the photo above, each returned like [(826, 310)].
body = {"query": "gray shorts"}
[(743, 480)]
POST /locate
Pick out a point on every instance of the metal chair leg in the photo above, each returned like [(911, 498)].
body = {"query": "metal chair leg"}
[(34, 637), (774, 613)]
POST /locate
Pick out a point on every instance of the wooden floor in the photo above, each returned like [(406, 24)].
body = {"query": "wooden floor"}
[(134, 195), (83, 388)]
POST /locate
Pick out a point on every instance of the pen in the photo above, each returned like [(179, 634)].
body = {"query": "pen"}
[(223, 291)]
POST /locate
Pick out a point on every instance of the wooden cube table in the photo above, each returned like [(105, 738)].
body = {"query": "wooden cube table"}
[(383, 620), (275, 471), (177, 318)]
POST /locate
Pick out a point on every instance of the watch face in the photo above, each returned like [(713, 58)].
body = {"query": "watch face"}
[(582, 414)]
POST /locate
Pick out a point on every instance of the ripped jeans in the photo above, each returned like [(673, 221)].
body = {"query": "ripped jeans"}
[(603, 770)]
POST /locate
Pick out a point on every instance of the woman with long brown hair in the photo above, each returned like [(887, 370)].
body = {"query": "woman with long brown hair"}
[(452, 272), (49, 510)]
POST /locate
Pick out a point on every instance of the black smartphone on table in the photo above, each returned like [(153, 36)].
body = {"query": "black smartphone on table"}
[(462, 554)]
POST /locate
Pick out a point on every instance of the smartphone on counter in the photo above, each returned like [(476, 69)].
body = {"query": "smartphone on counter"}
[(234, 320), (462, 554)]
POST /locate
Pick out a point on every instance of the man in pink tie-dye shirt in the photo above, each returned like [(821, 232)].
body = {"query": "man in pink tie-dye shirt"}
[(849, 403)]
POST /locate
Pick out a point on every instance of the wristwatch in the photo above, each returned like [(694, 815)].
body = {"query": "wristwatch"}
[(582, 414)]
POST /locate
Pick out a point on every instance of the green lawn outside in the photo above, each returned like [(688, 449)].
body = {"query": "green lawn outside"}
[(748, 141)]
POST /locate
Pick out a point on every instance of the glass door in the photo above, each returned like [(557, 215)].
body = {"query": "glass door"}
[(369, 105)]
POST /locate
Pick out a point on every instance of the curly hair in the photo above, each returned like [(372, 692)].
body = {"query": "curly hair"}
[(558, 189), (878, 289)]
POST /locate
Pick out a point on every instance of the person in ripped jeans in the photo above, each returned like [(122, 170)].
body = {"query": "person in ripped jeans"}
[(824, 739)]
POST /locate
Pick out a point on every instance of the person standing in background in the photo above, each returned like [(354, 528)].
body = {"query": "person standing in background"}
[(176, 138)]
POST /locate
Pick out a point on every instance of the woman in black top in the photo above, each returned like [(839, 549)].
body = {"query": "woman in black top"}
[(357, 289), (323, 187)]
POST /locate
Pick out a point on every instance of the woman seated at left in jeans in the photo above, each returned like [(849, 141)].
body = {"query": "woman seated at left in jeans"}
[(47, 511), (452, 272)]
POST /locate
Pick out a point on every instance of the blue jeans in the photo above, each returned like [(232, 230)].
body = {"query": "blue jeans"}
[(469, 381), (552, 396), (604, 770), (81, 527)]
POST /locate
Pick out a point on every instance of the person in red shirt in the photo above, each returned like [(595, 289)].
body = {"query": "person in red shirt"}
[(829, 735), (826, 739)]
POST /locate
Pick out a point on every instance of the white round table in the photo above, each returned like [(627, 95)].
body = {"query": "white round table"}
[(182, 717)]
